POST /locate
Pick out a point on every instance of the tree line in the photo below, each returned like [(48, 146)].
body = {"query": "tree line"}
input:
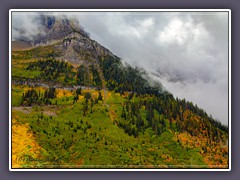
[(32, 97), (63, 72), (164, 112), (123, 78)]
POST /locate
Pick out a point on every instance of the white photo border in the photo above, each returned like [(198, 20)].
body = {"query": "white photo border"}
[(118, 10)]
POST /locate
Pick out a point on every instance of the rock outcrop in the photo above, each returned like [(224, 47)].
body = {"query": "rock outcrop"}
[(69, 37)]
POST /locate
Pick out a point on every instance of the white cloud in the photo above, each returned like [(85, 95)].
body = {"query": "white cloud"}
[(147, 23), (181, 31), (175, 32)]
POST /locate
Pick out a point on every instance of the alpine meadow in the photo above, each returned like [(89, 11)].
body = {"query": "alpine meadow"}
[(75, 104)]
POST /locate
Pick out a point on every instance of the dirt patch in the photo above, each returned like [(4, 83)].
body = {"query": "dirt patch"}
[(20, 45), (113, 115), (49, 113), (25, 110)]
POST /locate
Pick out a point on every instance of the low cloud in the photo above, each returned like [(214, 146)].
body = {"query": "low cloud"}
[(25, 25)]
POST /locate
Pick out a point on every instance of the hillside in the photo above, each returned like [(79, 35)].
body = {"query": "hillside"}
[(20, 45), (77, 105)]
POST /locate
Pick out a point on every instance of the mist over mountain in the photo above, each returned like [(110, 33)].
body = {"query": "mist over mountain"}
[(186, 52)]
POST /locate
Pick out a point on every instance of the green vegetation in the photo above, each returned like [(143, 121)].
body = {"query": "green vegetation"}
[(53, 70), (118, 77), (85, 133), (38, 52), (119, 119), (126, 78), (32, 97)]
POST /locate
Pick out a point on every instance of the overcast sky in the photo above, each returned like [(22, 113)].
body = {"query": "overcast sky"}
[(186, 51)]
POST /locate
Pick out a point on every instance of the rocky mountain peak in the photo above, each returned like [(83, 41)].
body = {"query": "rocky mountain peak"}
[(59, 23), (67, 36), (56, 28)]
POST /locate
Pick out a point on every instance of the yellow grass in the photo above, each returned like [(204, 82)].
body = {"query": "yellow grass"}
[(63, 93), (23, 144)]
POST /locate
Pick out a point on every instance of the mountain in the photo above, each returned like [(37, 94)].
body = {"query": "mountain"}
[(78, 105), (67, 37)]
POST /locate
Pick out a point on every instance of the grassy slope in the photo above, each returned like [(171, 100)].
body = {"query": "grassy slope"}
[(70, 139), (104, 143)]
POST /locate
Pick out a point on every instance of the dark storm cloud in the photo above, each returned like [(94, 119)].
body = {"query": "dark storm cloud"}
[(187, 52)]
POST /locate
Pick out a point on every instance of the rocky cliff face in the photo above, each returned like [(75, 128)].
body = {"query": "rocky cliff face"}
[(56, 28), (68, 36)]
